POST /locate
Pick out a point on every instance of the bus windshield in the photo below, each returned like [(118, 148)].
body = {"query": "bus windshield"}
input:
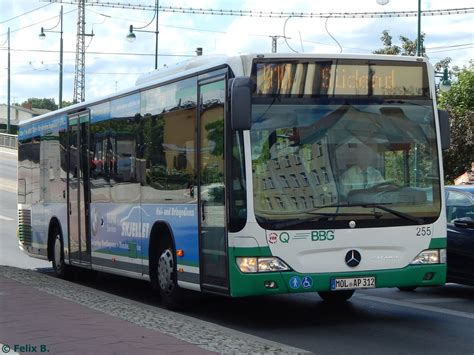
[(336, 162)]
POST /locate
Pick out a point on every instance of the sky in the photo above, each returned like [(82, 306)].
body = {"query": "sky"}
[(113, 64)]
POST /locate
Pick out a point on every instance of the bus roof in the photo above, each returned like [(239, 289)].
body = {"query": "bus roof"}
[(240, 65)]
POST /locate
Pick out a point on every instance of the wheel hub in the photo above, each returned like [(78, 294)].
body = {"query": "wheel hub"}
[(165, 271), (57, 252)]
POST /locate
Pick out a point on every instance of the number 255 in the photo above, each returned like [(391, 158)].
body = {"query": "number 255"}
[(423, 231)]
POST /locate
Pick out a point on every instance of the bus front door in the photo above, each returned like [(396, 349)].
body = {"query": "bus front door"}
[(212, 209), (78, 189)]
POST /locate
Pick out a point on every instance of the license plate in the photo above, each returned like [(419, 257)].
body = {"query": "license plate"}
[(353, 283)]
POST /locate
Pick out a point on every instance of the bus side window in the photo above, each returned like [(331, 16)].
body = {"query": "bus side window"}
[(238, 193)]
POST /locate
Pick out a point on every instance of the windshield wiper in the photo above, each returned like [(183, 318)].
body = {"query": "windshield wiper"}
[(383, 207)]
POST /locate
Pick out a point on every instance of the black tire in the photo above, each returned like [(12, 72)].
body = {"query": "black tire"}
[(407, 288), (171, 293), (59, 266), (336, 296)]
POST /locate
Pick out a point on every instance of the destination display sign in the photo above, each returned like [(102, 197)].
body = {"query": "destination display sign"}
[(332, 78)]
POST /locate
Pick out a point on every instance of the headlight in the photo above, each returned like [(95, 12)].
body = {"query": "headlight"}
[(262, 264), (431, 256)]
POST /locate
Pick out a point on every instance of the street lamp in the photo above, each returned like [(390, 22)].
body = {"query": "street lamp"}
[(42, 36), (444, 84), (132, 37), (8, 79), (418, 35)]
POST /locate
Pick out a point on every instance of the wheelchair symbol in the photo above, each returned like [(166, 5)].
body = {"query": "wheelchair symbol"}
[(307, 282)]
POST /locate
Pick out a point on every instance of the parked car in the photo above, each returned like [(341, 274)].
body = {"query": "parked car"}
[(460, 216)]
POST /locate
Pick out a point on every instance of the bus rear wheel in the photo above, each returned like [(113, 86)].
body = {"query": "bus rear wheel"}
[(171, 294), (336, 296), (59, 266)]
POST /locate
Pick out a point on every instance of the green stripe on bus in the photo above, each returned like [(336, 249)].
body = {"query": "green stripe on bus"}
[(242, 285), (438, 243), (255, 251)]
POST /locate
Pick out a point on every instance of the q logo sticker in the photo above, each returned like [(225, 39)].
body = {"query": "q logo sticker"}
[(284, 237)]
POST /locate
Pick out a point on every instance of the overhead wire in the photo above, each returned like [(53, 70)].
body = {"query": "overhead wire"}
[(281, 14), (25, 13), (330, 35)]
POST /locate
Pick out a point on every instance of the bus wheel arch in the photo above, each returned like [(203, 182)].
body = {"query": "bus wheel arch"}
[(162, 265)]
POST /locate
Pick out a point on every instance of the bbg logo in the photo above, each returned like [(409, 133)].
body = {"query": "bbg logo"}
[(322, 235)]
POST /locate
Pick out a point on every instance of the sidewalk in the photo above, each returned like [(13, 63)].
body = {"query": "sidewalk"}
[(41, 313), (34, 321)]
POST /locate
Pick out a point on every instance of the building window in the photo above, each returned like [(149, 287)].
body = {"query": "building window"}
[(319, 148), (303, 202), (325, 174), (270, 184), (269, 203), (297, 159), (304, 179), (294, 180), (280, 202), (316, 176), (284, 181), (295, 202)]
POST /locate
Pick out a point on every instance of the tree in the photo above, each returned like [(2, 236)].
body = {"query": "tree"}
[(459, 102), (408, 46), (67, 103), (47, 104)]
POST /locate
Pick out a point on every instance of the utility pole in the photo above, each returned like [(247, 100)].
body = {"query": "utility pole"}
[(79, 77), (80, 72), (274, 42), (8, 86)]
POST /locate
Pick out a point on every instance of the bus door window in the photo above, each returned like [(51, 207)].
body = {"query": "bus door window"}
[(212, 186)]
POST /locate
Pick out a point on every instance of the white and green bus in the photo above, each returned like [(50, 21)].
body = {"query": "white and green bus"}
[(249, 175)]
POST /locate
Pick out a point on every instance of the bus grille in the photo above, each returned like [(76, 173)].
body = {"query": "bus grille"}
[(24, 226)]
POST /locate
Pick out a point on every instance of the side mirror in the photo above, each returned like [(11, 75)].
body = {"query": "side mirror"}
[(464, 223), (240, 103), (444, 129)]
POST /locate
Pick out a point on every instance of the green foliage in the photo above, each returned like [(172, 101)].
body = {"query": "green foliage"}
[(47, 104), (459, 102), (215, 133), (408, 47), (67, 103)]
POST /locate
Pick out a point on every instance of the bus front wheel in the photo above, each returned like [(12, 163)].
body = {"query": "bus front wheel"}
[(407, 288), (171, 294), (336, 296)]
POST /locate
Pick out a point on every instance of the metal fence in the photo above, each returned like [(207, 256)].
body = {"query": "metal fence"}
[(9, 140)]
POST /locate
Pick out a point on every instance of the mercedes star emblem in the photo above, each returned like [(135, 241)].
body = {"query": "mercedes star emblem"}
[(353, 258)]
